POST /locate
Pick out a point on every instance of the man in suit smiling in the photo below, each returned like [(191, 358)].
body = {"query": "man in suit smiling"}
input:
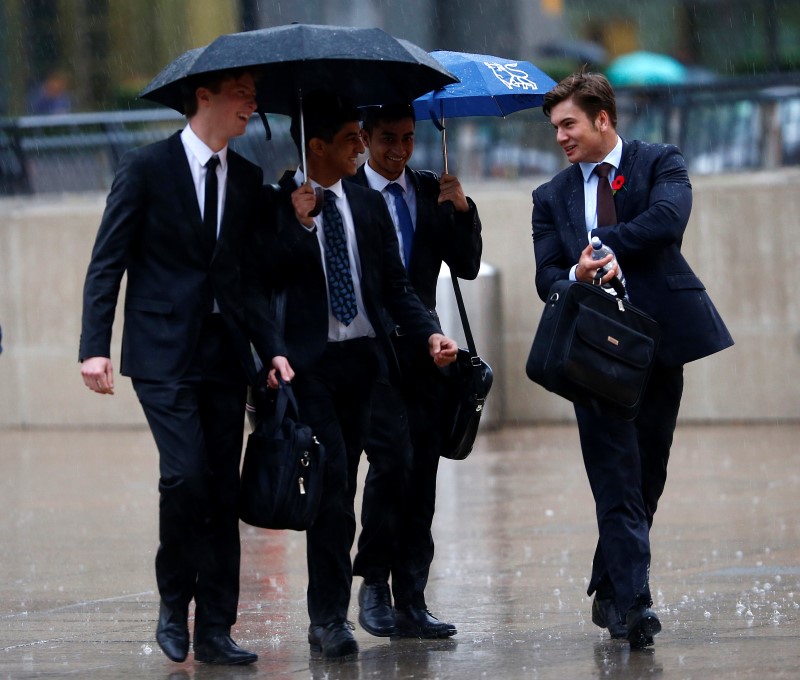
[(177, 221), (344, 284), (642, 219), (405, 433)]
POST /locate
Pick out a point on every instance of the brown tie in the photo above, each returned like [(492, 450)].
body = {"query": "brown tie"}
[(606, 212)]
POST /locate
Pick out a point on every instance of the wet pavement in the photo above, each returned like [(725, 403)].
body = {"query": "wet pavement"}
[(515, 534)]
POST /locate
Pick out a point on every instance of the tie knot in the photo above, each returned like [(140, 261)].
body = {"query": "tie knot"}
[(212, 163), (395, 189), (603, 169), (330, 196)]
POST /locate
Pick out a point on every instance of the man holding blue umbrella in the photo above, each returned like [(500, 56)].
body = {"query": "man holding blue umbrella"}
[(435, 223)]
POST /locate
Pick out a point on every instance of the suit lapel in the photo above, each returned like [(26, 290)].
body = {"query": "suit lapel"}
[(576, 207), (184, 185), (626, 170)]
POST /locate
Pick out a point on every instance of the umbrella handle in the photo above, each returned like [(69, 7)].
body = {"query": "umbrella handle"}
[(319, 193)]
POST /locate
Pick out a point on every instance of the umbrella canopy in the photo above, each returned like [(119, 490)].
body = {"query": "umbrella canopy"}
[(366, 65), (646, 68), (488, 86)]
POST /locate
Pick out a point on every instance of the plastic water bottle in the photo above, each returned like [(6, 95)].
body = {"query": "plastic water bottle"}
[(599, 251)]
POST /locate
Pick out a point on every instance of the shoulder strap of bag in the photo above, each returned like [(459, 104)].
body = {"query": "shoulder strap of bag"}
[(462, 311)]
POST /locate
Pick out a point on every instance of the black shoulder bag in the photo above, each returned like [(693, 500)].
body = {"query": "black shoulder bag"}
[(467, 383)]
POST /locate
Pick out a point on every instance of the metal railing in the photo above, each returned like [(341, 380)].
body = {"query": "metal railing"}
[(723, 126)]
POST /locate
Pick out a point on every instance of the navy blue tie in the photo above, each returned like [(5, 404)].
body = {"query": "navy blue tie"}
[(404, 220), (337, 262)]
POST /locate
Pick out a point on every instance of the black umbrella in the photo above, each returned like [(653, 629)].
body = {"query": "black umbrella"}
[(366, 65)]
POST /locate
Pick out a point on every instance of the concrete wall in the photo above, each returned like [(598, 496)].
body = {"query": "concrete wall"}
[(743, 241)]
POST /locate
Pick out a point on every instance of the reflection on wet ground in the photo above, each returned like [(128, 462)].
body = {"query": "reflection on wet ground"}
[(515, 534)]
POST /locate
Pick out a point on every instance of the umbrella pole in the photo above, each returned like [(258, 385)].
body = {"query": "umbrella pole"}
[(318, 191), (444, 144)]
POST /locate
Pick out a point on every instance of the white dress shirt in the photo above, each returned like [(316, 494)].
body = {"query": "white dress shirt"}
[(590, 190), (379, 183), (198, 154), (360, 326)]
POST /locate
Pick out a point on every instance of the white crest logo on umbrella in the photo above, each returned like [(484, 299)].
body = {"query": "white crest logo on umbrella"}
[(511, 76)]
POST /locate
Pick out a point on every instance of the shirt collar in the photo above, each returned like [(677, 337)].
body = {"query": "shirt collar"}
[(200, 150), (300, 177), (614, 157), (379, 182)]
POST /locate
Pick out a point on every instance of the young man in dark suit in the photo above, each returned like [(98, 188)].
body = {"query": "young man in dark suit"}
[(177, 221), (400, 490), (643, 220), (344, 283)]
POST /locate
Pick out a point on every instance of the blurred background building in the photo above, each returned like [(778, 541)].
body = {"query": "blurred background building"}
[(720, 78), (104, 51)]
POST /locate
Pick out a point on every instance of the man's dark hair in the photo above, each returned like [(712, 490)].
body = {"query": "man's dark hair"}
[(212, 80), (591, 92), (324, 114), (391, 113)]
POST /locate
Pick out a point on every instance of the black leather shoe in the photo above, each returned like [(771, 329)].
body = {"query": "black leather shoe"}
[(172, 633), (375, 614), (606, 615), (420, 623), (333, 639), (221, 649), (642, 625)]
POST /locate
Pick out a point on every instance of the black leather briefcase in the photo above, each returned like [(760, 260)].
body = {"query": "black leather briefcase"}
[(593, 348)]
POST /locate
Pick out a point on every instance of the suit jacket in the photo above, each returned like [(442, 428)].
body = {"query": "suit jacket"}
[(292, 261), (152, 229), (441, 234), (653, 210)]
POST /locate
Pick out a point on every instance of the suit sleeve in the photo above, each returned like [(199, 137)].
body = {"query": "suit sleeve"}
[(551, 261), (115, 237), (666, 195), (463, 248)]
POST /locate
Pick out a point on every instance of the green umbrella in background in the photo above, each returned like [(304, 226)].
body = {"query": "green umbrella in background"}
[(646, 68)]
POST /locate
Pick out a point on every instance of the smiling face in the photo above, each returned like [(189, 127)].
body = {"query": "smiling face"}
[(224, 114), (390, 144), (583, 140), (331, 161)]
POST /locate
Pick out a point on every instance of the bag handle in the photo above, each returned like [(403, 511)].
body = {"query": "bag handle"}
[(462, 311)]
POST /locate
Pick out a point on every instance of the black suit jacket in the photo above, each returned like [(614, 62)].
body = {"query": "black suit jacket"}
[(441, 234), (151, 229), (653, 210), (292, 261)]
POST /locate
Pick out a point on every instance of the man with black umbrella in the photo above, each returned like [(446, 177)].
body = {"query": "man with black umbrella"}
[(344, 282), (177, 221)]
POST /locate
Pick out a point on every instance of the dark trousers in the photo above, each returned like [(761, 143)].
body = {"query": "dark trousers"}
[(197, 423), (626, 463), (334, 399), (399, 501)]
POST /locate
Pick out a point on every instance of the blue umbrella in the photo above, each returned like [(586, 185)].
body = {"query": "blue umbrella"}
[(646, 68), (489, 86)]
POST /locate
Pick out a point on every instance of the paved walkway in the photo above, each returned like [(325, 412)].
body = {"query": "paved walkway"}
[(515, 534)]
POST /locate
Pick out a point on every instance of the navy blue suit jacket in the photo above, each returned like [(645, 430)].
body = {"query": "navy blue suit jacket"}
[(653, 210), (152, 230)]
